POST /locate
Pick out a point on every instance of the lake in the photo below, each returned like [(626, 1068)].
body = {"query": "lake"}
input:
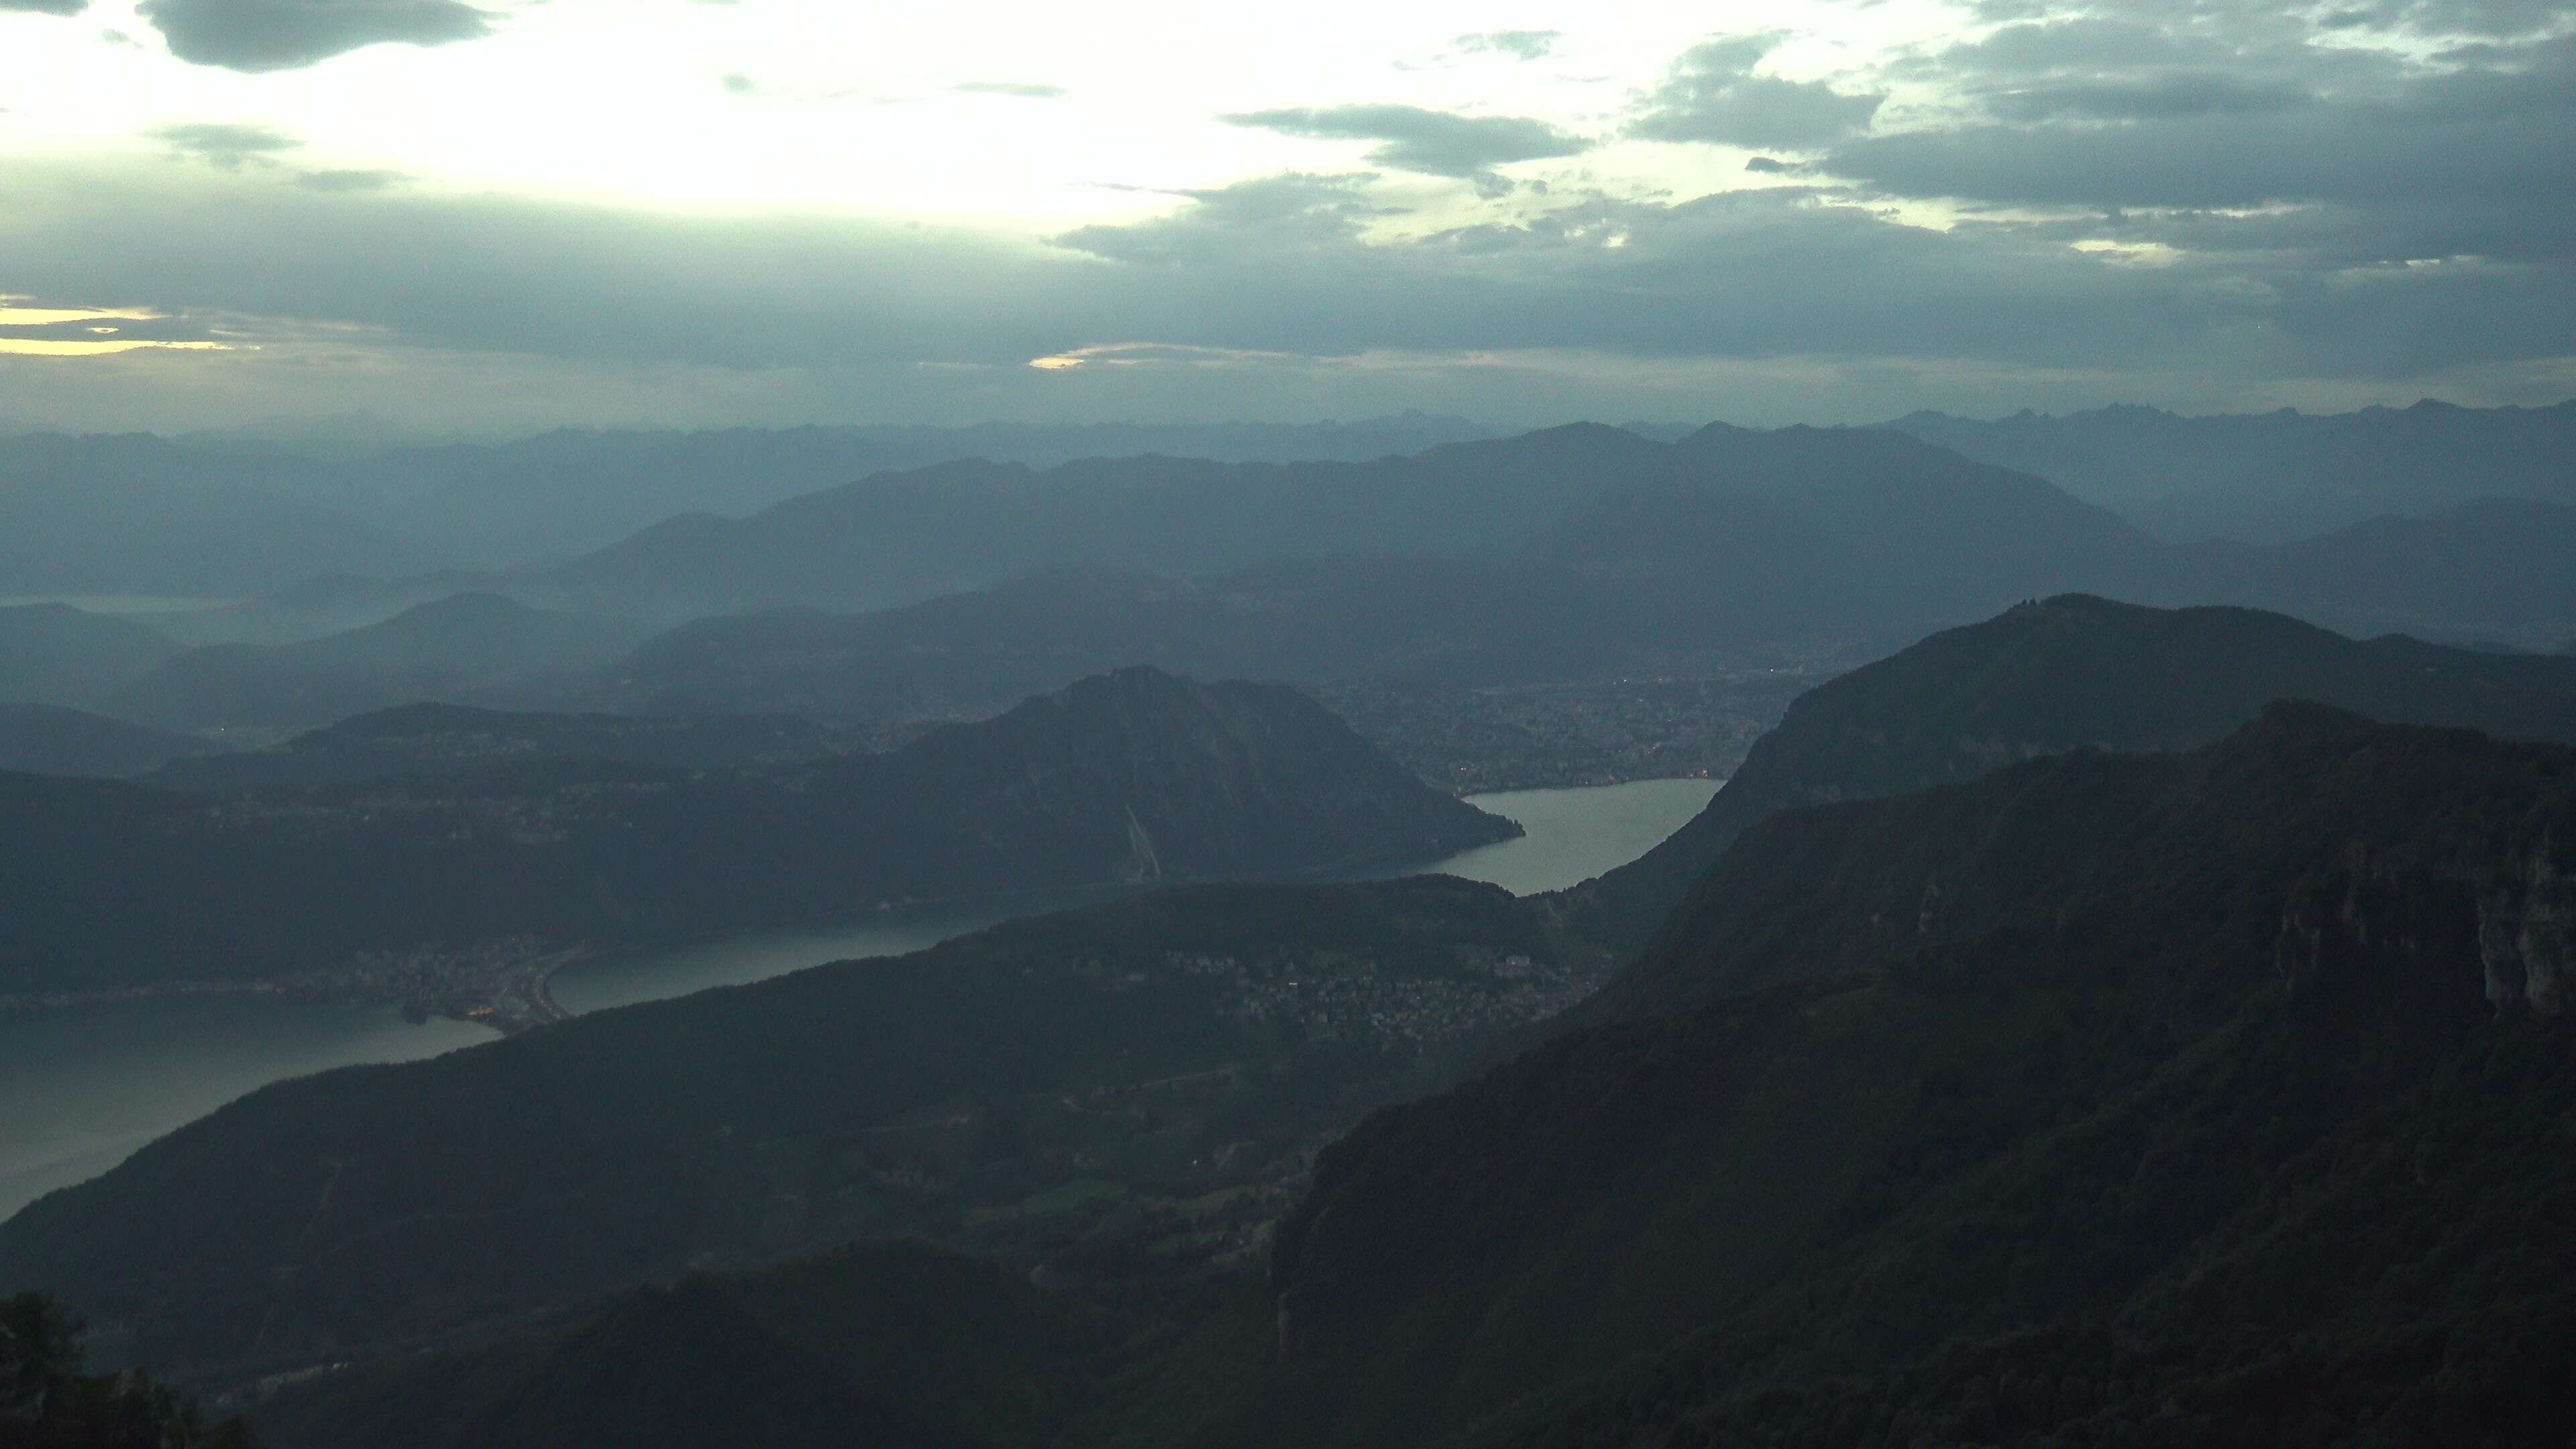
[(79, 1091), (1574, 835)]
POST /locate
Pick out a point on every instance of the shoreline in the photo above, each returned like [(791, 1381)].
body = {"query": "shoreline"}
[(507, 986), (507, 995)]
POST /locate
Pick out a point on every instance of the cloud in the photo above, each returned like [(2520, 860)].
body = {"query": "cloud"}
[(225, 146), (1022, 89), (1411, 138), (736, 83), (1712, 94), (350, 180), (1288, 213), (44, 7), (1285, 265), (2488, 18), (266, 35), (1517, 44), (2236, 199), (2164, 95), (2391, 161), (83, 331)]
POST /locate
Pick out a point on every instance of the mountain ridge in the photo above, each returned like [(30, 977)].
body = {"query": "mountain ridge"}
[(1834, 1163), (2068, 672), (1124, 779)]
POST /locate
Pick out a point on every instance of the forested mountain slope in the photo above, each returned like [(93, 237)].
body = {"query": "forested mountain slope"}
[(1171, 1058), (2068, 672), (1116, 781), (2215, 1097)]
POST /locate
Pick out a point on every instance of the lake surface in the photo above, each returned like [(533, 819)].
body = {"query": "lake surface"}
[(629, 977), (1575, 835), (80, 1091)]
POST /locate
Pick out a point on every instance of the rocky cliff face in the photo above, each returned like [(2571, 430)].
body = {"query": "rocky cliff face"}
[(2527, 931), (2510, 908)]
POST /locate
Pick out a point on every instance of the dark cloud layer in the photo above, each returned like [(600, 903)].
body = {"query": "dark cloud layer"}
[(1410, 138), (265, 35), (2393, 163), (44, 7), (2235, 195), (1712, 94)]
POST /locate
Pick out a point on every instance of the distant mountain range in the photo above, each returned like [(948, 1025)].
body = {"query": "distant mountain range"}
[(874, 517), (463, 648), (2274, 477), (224, 517), (1802, 519), (1722, 538), (137, 515), (57, 654), (1119, 780), (2495, 568), (451, 739), (1575, 552)]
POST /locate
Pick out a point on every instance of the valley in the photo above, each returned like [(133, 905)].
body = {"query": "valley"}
[(1570, 836), (787, 725)]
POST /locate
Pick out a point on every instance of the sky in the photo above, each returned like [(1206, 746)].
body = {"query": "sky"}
[(496, 217)]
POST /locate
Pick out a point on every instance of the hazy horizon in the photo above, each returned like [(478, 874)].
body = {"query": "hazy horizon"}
[(359, 433)]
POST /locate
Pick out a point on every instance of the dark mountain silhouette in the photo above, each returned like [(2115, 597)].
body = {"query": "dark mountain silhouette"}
[(462, 649), (2165, 1074), (877, 1343), (49, 1401), (45, 739), (57, 654), (1114, 782), (2278, 476), (2064, 674), (456, 739)]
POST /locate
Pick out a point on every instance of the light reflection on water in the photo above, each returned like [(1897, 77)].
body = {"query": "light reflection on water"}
[(81, 1091)]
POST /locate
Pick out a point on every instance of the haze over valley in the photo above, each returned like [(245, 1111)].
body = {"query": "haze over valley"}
[(1145, 727)]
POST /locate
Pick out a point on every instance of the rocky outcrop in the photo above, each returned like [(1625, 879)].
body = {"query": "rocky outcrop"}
[(2527, 932)]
